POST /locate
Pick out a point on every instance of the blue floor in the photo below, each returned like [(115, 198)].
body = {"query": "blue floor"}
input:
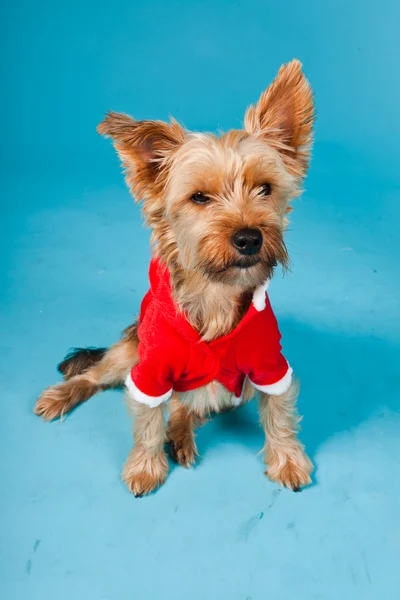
[(73, 260)]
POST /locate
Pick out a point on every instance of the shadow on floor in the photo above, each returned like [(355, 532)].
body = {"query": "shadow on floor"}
[(345, 380)]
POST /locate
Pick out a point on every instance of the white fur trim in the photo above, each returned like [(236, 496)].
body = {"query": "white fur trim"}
[(236, 401), (259, 296), (143, 398), (277, 388)]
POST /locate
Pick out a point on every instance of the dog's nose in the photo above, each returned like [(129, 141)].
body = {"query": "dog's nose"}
[(247, 241)]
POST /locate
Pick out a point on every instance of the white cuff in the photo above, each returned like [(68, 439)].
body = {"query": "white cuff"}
[(143, 398), (278, 388)]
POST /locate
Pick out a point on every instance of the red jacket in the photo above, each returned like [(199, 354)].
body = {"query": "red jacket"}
[(172, 355)]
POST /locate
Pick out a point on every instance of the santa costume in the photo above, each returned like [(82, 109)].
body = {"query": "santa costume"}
[(173, 356)]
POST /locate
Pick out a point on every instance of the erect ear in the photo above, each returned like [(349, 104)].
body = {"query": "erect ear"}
[(144, 148), (284, 115)]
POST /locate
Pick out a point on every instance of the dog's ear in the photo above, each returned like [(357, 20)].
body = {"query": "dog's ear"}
[(144, 148), (284, 115)]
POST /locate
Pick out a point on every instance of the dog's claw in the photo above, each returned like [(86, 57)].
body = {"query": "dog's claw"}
[(294, 474), (185, 456)]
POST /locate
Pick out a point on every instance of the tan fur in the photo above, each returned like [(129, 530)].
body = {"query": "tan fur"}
[(284, 115), (180, 432), (111, 371), (284, 454), (147, 465), (79, 361), (164, 166)]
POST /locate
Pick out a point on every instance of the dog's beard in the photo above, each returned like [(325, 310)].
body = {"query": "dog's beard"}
[(248, 271), (244, 274), (245, 263)]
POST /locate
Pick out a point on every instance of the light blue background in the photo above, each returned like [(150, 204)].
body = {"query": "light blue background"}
[(73, 270)]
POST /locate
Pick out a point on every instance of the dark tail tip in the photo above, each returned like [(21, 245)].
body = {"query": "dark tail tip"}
[(78, 360)]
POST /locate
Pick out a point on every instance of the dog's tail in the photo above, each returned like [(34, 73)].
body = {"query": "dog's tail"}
[(80, 360), (87, 371)]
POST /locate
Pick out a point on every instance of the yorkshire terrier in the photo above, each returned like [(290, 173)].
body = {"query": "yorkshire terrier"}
[(206, 339)]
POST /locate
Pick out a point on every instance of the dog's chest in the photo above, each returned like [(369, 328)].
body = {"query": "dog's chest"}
[(214, 398)]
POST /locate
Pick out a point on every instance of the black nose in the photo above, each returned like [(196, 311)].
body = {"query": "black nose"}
[(247, 241)]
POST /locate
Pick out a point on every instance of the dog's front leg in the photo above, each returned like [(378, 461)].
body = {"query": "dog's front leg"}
[(146, 467), (287, 461)]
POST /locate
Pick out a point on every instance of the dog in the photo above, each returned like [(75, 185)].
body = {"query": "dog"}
[(217, 207)]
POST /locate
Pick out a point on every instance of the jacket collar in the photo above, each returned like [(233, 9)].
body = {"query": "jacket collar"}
[(160, 283)]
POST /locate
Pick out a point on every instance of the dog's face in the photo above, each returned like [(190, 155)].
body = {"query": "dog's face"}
[(217, 205), (225, 202)]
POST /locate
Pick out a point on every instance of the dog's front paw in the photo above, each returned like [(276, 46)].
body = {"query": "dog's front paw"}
[(291, 469), (143, 474)]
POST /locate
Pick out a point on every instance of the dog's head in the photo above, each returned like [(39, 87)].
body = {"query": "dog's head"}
[(217, 205)]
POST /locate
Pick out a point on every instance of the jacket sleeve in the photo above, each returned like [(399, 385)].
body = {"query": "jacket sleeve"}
[(150, 383), (161, 362), (265, 365)]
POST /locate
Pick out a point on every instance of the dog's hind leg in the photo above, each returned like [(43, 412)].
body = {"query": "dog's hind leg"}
[(110, 370), (180, 433)]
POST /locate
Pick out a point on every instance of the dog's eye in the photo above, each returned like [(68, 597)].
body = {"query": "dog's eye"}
[(200, 198), (265, 189)]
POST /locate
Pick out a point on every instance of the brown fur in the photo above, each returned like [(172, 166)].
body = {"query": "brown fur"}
[(164, 166), (147, 465), (110, 371), (180, 432), (284, 454), (79, 360)]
